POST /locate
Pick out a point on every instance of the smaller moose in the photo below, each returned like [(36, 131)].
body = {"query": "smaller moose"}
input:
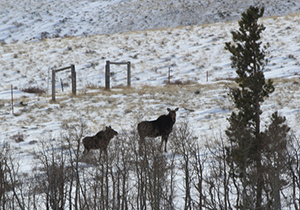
[(162, 126), (99, 141)]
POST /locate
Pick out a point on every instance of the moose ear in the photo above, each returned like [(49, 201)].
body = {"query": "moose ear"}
[(176, 109), (168, 109)]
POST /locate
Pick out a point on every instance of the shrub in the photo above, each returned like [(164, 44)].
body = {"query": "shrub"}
[(179, 82), (18, 137), (45, 35), (32, 89)]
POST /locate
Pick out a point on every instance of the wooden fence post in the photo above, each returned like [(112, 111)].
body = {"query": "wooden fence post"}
[(73, 75), (62, 85), (206, 76), (169, 76), (128, 74), (12, 100), (107, 72), (107, 75), (53, 85)]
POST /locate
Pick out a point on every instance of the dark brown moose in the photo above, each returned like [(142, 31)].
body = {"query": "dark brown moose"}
[(99, 141), (162, 126)]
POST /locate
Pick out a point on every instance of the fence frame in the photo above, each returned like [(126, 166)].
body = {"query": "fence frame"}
[(73, 76), (107, 73)]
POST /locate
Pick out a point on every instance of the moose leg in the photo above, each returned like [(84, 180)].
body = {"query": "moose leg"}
[(100, 155), (141, 144), (164, 138), (105, 155), (85, 151), (161, 143), (142, 140)]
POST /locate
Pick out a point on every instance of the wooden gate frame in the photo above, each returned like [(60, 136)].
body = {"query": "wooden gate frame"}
[(73, 75), (107, 73)]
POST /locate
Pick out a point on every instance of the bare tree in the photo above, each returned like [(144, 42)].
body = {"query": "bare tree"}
[(121, 159), (72, 136), (294, 168), (3, 179), (199, 158), (157, 175), (53, 177), (218, 181), (185, 144), (12, 194)]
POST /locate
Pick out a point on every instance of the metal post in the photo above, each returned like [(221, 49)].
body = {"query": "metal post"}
[(107, 75), (206, 76), (73, 75), (128, 74), (62, 85), (53, 85), (169, 76), (12, 100)]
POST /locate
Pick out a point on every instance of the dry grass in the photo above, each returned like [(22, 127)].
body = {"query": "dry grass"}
[(100, 107)]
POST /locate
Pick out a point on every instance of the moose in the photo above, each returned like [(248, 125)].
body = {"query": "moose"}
[(99, 141), (162, 126)]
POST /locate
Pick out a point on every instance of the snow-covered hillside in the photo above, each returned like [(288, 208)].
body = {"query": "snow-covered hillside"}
[(34, 19), (186, 37), (191, 53)]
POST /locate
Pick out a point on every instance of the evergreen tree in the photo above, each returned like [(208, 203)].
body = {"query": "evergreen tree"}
[(275, 159), (248, 58)]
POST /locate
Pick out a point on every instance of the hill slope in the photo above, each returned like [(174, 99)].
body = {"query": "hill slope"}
[(191, 53), (30, 20)]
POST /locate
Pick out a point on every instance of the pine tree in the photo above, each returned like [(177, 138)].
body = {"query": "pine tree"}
[(276, 158), (248, 58)]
